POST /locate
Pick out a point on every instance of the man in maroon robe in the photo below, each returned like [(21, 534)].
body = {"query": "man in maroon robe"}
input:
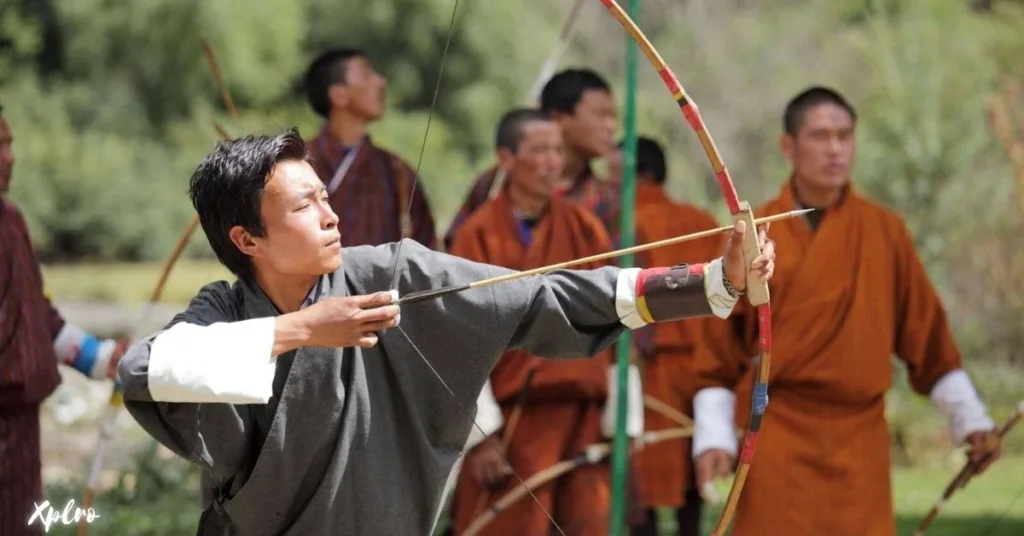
[(34, 339), (369, 187)]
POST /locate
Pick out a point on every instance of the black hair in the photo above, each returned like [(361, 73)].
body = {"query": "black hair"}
[(650, 159), (327, 70), (793, 118), (227, 187), (565, 90), (510, 128)]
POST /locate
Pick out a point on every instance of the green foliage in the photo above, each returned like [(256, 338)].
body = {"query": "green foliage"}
[(157, 494), (112, 107)]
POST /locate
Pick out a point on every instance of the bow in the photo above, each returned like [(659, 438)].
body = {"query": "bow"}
[(968, 471), (589, 455), (109, 418), (757, 292)]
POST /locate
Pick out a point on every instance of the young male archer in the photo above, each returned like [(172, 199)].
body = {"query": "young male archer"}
[(309, 414)]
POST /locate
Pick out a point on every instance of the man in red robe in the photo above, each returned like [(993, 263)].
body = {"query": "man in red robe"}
[(34, 340), (581, 102)]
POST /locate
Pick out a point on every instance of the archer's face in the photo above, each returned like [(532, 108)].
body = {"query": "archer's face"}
[(301, 235), (590, 129), (537, 164)]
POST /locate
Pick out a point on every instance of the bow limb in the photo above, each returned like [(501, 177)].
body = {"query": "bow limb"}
[(968, 471), (757, 290), (667, 411), (589, 455), (109, 418)]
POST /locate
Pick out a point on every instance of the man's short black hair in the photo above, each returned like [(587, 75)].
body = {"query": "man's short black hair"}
[(650, 159), (565, 90), (510, 128), (327, 70), (809, 98), (227, 187)]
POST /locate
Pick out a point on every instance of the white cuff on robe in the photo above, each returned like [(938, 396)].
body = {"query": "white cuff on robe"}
[(713, 421), (719, 299), (488, 417), (226, 362), (83, 352), (634, 406), (956, 398)]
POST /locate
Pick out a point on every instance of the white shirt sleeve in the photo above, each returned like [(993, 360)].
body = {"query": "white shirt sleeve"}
[(634, 405), (956, 398), (225, 362), (719, 299), (713, 421)]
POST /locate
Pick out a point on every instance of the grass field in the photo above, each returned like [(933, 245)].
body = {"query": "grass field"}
[(129, 283), (991, 505)]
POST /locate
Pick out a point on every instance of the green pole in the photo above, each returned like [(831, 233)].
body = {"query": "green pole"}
[(620, 452)]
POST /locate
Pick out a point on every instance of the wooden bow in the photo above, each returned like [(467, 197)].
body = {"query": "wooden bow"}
[(590, 455), (968, 471), (757, 291), (109, 417)]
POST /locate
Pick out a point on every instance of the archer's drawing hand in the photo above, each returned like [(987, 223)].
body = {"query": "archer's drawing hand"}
[(711, 464), (488, 462), (985, 449), (735, 265), (350, 321)]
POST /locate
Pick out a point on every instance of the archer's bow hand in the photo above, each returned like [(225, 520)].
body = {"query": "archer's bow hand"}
[(986, 448), (489, 464), (736, 267)]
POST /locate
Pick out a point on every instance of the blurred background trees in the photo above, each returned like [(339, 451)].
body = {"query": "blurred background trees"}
[(112, 102)]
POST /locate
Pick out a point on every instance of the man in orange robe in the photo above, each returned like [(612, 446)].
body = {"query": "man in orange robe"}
[(581, 102), (851, 293), (526, 227), (666, 479)]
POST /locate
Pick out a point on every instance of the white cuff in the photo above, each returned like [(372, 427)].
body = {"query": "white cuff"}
[(956, 398), (221, 363), (78, 349), (634, 406), (714, 287), (488, 417), (625, 299), (713, 421)]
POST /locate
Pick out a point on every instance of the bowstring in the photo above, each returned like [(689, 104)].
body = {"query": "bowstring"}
[(397, 256), (423, 144), (466, 411)]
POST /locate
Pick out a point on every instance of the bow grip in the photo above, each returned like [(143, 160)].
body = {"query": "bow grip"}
[(757, 290)]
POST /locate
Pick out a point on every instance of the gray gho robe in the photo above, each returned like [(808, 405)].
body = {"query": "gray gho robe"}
[(361, 441)]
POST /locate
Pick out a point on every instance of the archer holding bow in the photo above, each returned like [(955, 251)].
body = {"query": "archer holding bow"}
[(299, 390)]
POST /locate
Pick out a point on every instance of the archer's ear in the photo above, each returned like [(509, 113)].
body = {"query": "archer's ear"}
[(786, 146), (337, 94), (243, 241), (505, 158)]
